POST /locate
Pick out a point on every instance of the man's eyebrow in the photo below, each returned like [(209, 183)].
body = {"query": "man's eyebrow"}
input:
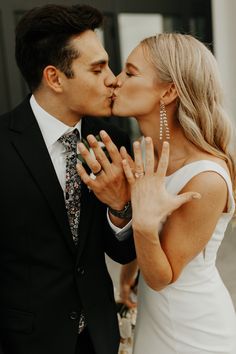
[(99, 62)]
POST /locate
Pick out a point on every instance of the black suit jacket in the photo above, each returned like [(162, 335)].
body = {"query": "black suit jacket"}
[(45, 280)]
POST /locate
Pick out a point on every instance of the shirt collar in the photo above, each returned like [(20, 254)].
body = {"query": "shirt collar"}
[(51, 127)]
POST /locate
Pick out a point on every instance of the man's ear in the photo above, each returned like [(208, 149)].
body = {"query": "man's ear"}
[(170, 94), (52, 77)]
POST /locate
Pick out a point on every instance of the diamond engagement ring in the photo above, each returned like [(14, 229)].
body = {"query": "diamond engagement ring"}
[(138, 174)]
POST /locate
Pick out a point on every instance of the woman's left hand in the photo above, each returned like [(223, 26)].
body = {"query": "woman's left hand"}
[(151, 203)]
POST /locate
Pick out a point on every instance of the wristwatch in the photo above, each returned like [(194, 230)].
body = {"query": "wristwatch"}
[(125, 213)]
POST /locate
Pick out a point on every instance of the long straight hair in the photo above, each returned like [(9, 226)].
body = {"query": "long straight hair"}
[(190, 65)]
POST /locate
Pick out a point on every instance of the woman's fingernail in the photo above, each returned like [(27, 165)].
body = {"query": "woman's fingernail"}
[(196, 196)]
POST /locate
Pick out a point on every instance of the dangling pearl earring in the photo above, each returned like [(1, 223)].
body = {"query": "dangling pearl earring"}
[(164, 122)]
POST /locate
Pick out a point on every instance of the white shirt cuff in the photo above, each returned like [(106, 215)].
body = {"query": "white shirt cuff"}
[(120, 233)]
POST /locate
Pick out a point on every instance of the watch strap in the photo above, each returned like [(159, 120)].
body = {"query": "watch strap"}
[(125, 213)]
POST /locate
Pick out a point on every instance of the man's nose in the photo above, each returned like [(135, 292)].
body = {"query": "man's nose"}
[(110, 79)]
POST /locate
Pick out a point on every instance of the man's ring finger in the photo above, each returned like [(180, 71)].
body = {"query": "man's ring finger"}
[(98, 173)]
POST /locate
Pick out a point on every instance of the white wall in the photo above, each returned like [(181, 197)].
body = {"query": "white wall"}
[(224, 39), (135, 27)]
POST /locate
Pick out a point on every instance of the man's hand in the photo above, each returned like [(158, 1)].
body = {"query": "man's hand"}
[(110, 185)]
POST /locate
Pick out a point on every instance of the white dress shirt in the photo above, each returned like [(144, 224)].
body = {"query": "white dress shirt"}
[(52, 129)]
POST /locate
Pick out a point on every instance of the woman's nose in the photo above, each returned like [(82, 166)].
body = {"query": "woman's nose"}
[(119, 80)]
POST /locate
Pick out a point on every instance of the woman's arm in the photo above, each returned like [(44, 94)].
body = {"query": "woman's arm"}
[(188, 230), (162, 256)]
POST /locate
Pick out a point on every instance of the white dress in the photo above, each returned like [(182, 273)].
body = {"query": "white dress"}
[(195, 314)]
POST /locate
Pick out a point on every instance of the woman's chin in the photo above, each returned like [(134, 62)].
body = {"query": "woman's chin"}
[(116, 111)]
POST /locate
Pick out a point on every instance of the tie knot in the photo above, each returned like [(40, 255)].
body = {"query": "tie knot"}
[(70, 140)]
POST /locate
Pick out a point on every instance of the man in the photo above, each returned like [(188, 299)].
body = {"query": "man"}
[(56, 294)]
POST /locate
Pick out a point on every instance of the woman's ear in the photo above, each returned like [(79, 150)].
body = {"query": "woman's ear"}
[(52, 78), (170, 94)]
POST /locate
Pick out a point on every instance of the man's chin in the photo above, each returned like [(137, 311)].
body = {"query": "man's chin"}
[(103, 113)]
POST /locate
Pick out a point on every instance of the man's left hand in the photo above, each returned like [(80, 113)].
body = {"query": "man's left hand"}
[(110, 185)]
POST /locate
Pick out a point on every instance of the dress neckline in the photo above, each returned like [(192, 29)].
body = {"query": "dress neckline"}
[(190, 163), (199, 161)]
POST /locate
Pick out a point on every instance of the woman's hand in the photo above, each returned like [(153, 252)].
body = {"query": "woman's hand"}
[(151, 203)]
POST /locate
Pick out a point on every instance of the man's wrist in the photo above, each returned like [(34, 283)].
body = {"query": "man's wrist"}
[(125, 213)]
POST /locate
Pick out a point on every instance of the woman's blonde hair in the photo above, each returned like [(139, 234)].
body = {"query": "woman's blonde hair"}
[(190, 65)]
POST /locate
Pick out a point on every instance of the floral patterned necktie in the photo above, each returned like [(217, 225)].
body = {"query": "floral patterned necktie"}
[(73, 192), (73, 182)]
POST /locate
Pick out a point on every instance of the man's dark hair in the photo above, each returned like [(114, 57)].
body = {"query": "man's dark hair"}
[(43, 35)]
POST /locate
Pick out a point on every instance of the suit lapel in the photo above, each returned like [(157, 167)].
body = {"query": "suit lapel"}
[(29, 144)]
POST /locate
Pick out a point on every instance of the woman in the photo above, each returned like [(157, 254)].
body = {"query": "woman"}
[(170, 85)]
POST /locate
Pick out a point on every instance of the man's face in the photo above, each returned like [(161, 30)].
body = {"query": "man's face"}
[(89, 91)]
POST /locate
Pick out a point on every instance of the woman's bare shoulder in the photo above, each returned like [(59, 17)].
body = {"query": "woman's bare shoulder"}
[(208, 157)]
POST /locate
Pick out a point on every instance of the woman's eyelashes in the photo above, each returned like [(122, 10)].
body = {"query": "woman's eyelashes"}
[(128, 74)]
